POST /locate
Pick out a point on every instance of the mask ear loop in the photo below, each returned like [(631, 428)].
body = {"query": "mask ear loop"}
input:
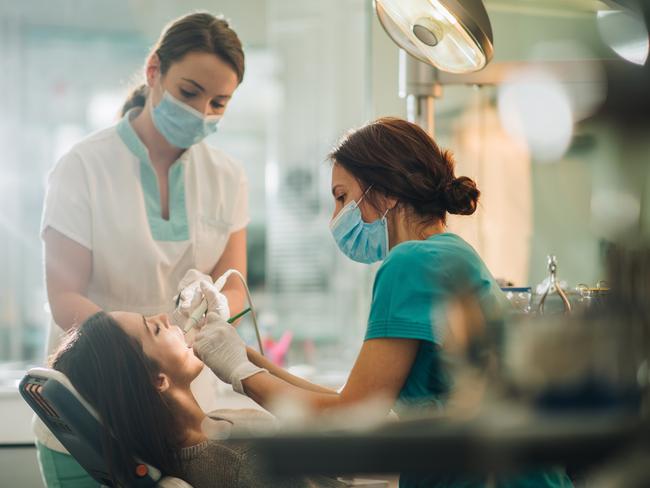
[(386, 229), (364, 194), (350, 204)]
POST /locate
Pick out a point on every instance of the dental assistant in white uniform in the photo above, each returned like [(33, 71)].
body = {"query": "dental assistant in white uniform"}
[(136, 209)]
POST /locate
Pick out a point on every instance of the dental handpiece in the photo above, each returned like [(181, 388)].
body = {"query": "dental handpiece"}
[(195, 316)]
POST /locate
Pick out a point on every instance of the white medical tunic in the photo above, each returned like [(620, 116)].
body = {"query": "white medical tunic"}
[(104, 195)]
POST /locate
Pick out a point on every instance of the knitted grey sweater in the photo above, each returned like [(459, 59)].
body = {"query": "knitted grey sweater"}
[(234, 464)]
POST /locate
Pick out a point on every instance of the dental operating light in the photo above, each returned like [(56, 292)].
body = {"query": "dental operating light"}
[(452, 35)]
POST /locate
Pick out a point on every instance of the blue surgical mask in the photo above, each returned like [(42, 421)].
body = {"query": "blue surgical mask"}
[(180, 124), (360, 241)]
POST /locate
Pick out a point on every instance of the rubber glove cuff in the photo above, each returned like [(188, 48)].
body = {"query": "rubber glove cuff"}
[(242, 372)]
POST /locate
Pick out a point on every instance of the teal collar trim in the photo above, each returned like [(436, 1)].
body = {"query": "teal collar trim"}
[(176, 228)]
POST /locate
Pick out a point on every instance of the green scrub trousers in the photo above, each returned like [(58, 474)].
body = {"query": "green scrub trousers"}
[(60, 470)]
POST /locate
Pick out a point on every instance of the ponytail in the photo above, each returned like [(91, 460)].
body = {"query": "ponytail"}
[(137, 98)]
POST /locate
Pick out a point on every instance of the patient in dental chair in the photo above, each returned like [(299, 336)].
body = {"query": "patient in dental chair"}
[(136, 372)]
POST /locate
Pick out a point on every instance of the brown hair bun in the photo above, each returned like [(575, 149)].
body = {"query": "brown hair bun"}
[(462, 196)]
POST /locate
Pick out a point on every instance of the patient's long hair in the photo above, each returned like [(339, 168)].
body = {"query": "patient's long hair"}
[(111, 371)]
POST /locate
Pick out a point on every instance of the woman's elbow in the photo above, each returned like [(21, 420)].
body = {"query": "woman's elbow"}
[(70, 309)]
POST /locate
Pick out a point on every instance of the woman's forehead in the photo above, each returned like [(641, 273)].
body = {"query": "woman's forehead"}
[(215, 75), (341, 175)]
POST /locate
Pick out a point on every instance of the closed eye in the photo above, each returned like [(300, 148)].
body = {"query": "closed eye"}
[(148, 327), (187, 94)]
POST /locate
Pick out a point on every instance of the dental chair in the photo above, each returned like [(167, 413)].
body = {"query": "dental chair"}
[(77, 426)]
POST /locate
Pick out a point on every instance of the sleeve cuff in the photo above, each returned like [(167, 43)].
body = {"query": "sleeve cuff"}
[(241, 225), (70, 234), (401, 329)]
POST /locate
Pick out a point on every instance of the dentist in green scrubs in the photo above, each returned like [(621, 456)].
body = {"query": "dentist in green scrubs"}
[(393, 188)]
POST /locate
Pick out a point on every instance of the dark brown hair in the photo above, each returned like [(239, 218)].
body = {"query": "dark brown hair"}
[(399, 159), (197, 32), (110, 370)]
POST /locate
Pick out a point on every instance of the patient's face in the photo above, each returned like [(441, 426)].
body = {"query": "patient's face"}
[(164, 343)]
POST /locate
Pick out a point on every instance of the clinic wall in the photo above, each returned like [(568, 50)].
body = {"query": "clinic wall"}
[(322, 92), (248, 17), (562, 217), (46, 106), (596, 195)]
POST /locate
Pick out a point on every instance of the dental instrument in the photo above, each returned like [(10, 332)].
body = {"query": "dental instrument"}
[(198, 313), (238, 316), (553, 287)]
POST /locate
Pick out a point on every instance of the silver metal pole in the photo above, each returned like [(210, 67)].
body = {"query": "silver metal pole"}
[(418, 84)]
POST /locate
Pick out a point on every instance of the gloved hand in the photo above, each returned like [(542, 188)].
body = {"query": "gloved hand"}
[(190, 296), (219, 346), (217, 301)]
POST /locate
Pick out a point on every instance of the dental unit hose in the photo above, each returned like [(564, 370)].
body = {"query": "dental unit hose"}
[(198, 313)]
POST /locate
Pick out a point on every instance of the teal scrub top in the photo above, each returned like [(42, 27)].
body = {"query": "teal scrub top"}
[(411, 291)]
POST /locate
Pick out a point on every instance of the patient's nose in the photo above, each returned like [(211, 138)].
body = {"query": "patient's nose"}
[(164, 319)]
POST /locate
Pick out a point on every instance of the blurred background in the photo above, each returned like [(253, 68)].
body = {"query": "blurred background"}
[(313, 70)]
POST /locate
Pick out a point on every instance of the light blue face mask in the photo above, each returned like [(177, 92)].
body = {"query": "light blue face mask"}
[(180, 124), (360, 241)]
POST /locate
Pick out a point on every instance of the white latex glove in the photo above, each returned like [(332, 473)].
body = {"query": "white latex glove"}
[(190, 296), (219, 346), (217, 301)]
